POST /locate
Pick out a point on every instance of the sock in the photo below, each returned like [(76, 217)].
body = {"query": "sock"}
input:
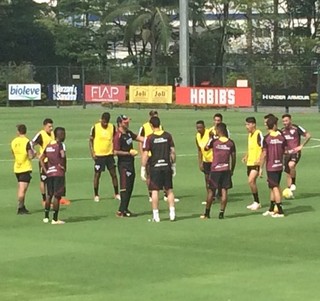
[(20, 204), (55, 215), (293, 181), (256, 197), (116, 189), (123, 202), (165, 194), (96, 191), (280, 209), (150, 194), (46, 212), (155, 214), (44, 197), (221, 214), (272, 204), (207, 212)]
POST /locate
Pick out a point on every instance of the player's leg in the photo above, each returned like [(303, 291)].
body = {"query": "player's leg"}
[(274, 179), (212, 186), (123, 191), (168, 187), (253, 173), (225, 183), (42, 185), (59, 188), (154, 186), (155, 205), (131, 175), (50, 191), (291, 177), (111, 165), (22, 189), (99, 167), (223, 202)]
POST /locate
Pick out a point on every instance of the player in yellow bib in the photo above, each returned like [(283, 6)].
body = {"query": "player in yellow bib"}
[(252, 159), (23, 153), (205, 157), (101, 149)]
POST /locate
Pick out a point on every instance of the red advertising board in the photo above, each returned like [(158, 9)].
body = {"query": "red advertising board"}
[(214, 96), (105, 93)]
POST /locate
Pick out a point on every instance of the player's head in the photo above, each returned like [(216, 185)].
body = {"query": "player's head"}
[(105, 118), (123, 121), (286, 120), (48, 125), (217, 118), (221, 129), (272, 123), (153, 113), (250, 124), (200, 126), (60, 134), (22, 129), (155, 122), (265, 118)]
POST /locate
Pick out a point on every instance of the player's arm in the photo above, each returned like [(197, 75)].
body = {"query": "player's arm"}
[(144, 159), (41, 160), (262, 161), (91, 138), (141, 134), (233, 157), (307, 137), (30, 151), (209, 144), (37, 140), (200, 162), (63, 156)]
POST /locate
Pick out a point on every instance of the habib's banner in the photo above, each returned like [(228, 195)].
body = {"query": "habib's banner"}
[(105, 93), (212, 96), (150, 94), (24, 91)]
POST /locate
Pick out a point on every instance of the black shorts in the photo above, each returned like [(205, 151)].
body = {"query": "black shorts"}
[(101, 162), (220, 179), (206, 167), (56, 186), (160, 179), (252, 167), (274, 178), (24, 177), (43, 175), (292, 157)]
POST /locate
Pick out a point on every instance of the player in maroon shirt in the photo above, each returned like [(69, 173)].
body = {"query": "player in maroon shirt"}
[(222, 167), (274, 147), (55, 170), (293, 133)]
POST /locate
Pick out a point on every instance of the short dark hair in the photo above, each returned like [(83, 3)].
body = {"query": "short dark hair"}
[(271, 122), (105, 116), (155, 121), (286, 115), (22, 129), (251, 120), (222, 128), (153, 113), (59, 132), (200, 122), (268, 115), (47, 120), (218, 115)]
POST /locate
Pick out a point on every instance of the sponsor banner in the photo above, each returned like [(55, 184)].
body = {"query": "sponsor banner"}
[(24, 92), (64, 93), (214, 96), (286, 98), (105, 93), (150, 94)]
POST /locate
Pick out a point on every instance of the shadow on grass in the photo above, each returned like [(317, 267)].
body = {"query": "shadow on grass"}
[(79, 200), (306, 195), (238, 197), (79, 219), (243, 214), (298, 209), (51, 210)]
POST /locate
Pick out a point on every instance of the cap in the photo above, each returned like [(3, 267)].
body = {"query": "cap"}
[(153, 113), (123, 118)]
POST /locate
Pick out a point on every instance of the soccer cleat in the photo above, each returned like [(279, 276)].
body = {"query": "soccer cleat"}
[(45, 220), (156, 220), (267, 213), (117, 197), (128, 213), (277, 215), (120, 214), (22, 211), (204, 216), (96, 199), (172, 217), (293, 187), (65, 202), (254, 206), (221, 215), (58, 222), (175, 199), (204, 203)]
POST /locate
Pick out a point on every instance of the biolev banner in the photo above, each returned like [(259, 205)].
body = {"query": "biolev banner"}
[(24, 92)]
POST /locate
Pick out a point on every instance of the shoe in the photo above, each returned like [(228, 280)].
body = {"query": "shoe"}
[(204, 203), (65, 202), (120, 214), (117, 197), (130, 214), (221, 215), (254, 206), (156, 220), (96, 199), (150, 199), (45, 220), (267, 213), (204, 216), (175, 199), (293, 187), (58, 222), (22, 211), (276, 215), (172, 217)]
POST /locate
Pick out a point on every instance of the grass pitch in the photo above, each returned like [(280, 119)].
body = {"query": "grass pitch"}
[(96, 256)]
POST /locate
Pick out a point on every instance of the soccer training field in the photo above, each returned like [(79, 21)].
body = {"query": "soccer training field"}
[(96, 256)]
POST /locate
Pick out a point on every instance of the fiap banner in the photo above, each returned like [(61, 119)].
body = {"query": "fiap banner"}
[(214, 96), (24, 92), (105, 93), (150, 94)]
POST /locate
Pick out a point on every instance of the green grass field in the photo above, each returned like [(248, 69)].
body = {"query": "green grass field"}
[(96, 256)]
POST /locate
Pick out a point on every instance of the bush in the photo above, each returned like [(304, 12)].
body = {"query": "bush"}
[(314, 99)]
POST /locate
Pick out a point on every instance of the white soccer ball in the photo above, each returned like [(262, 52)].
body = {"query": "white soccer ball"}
[(287, 193)]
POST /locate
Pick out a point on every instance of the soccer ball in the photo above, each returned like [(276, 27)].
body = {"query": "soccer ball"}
[(287, 193)]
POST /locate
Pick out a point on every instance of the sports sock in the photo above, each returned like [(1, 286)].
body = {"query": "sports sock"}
[(44, 197), (207, 212), (150, 193), (55, 215), (272, 204), (221, 214), (155, 214), (96, 191), (293, 181), (116, 189), (46, 212), (280, 209), (256, 197)]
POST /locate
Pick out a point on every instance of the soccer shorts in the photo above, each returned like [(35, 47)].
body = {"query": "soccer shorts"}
[(274, 178), (206, 167), (24, 177), (220, 180), (252, 167), (101, 162), (292, 157), (160, 179), (56, 186)]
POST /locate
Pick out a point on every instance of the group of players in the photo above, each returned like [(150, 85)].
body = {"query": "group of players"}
[(105, 142), (278, 150)]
